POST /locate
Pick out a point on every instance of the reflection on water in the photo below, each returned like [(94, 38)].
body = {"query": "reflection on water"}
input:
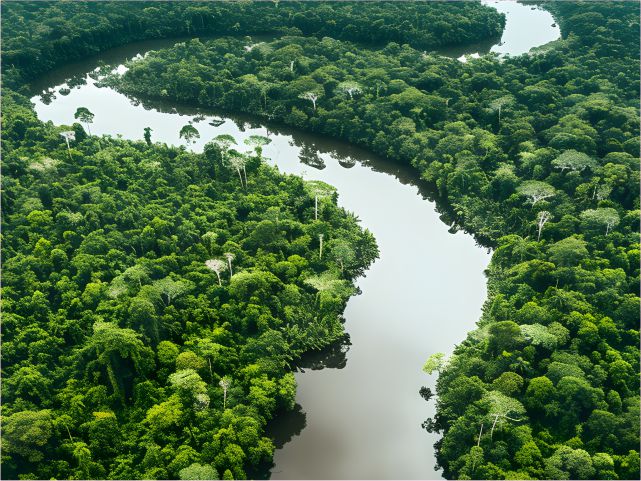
[(290, 424), (309, 156), (333, 356), (526, 27)]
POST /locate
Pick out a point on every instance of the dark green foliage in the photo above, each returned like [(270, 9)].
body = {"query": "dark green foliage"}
[(559, 333), (115, 333), (551, 373), (37, 36)]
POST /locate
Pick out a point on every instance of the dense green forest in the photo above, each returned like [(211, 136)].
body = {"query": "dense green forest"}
[(40, 35), (537, 156), (151, 298), (114, 326)]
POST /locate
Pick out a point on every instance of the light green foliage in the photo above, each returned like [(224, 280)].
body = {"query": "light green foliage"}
[(568, 463), (167, 353), (539, 335), (604, 216), (197, 471), (574, 161), (25, 433), (436, 362), (568, 252), (508, 383), (502, 405), (536, 191), (187, 381), (165, 415)]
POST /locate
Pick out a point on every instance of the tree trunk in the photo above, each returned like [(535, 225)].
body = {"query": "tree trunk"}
[(493, 425)]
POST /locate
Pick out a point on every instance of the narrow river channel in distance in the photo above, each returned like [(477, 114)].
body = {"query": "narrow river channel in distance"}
[(358, 412)]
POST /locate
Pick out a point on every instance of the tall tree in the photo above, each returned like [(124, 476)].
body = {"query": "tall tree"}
[(217, 266), (85, 116)]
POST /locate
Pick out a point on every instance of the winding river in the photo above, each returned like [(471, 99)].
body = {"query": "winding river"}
[(358, 412)]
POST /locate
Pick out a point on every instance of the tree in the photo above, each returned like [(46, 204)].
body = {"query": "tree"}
[(224, 142), (230, 257), (257, 142), (197, 471), (436, 362), (188, 382), (539, 335), (170, 288), (108, 346), (84, 115), (502, 407), (189, 133), (82, 455), (350, 87), (225, 382), (568, 252), (377, 78), (164, 415), (536, 190), (574, 161), (26, 432), (68, 135), (217, 266), (603, 216), (568, 463), (311, 96), (343, 253), (137, 273), (250, 47), (319, 190), (542, 218), (239, 162), (320, 245), (498, 104), (209, 240), (147, 135), (328, 282)]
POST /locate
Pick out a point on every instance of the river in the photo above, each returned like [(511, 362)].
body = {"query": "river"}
[(358, 412)]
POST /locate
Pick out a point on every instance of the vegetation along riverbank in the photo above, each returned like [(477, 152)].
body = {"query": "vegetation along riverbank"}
[(158, 297)]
